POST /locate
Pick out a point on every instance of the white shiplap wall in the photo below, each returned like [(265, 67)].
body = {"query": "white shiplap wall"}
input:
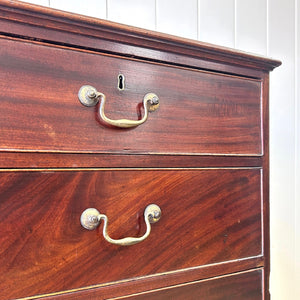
[(266, 27), (282, 44)]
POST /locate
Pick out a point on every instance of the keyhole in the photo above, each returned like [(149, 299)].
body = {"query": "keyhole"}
[(121, 82)]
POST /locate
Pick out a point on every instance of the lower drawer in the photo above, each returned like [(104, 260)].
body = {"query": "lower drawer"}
[(243, 286), (209, 216)]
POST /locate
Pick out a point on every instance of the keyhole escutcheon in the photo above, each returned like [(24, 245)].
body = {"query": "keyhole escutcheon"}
[(121, 82)]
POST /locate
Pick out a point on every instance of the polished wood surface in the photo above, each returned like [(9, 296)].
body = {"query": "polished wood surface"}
[(208, 216), (246, 286), (243, 285), (203, 157), (84, 160), (159, 281), (265, 185), (199, 113), (57, 27)]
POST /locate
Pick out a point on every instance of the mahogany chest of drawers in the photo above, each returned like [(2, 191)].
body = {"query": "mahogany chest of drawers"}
[(184, 127)]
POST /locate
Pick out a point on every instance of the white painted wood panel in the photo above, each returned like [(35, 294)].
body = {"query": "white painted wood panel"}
[(216, 22), (92, 8), (251, 26), (175, 18), (132, 12), (297, 181), (282, 148)]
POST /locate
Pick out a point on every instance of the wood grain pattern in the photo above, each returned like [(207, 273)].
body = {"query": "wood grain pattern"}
[(246, 286), (209, 216), (199, 112), (85, 32), (266, 187), (15, 160), (159, 281), (213, 114)]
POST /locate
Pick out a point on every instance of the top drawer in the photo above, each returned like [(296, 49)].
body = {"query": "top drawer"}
[(200, 112)]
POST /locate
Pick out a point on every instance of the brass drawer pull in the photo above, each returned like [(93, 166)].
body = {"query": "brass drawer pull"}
[(91, 217), (89, 96)]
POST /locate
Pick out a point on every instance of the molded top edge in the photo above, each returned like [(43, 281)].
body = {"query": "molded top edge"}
[(138, 36)]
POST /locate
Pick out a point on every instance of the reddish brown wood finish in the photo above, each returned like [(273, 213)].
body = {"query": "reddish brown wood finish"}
[(27, 160), (266, 205), (199, 112), (64, 28), (246, 286), (213, 114), (139, 285), (209, 216)]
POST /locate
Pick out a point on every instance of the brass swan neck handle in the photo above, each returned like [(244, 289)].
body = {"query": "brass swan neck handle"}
[(89, 96), (91, 218)]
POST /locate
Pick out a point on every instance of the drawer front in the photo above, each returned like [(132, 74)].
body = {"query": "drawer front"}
[(208, 216), (244, 286), (199, 113)]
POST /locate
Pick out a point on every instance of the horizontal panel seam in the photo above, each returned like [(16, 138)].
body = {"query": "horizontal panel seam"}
[(128, 169), (147, 276), (187, 283), (131, 56), (128, 153)]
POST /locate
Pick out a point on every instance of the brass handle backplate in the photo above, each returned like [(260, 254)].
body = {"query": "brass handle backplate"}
[(89, 96), (91, 218)]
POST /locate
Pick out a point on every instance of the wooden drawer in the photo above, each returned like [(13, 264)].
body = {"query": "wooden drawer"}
[(200, 112), (243, 286), (203, 157), (209, 216)]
